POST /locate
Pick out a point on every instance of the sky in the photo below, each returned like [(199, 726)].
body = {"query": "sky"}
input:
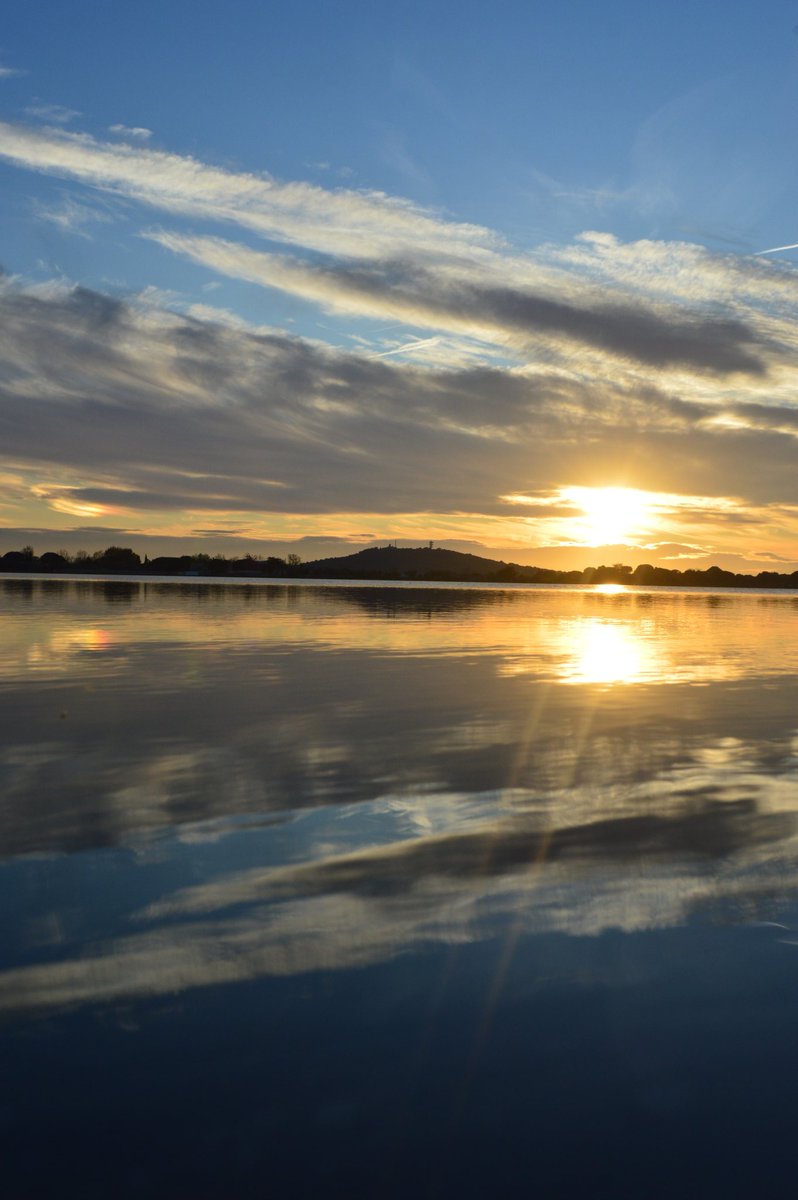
[(520, 280)]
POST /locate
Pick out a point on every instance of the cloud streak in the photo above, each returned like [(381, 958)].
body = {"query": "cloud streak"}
[(399, 290), (355, 223)]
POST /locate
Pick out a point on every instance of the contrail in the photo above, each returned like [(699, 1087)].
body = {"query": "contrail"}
[(431, 341), (776, 249)]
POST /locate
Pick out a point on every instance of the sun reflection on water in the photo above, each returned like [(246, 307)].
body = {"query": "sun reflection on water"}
[(607, 652), (607, 634)]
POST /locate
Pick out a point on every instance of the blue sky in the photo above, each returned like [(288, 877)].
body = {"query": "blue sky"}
[(404, 244)]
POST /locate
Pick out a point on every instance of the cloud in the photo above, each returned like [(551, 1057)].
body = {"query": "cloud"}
[(10, 72), (114, 499), (388, 258), (126, 405), (418, 296), (139, 132), (53, 112), (72, 215), (761, 292), (340, 221), (367, 225)]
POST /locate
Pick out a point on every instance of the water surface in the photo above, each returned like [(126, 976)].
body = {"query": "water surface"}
[(443, 891)]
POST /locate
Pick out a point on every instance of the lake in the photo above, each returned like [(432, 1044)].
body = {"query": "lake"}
[(413, 891)]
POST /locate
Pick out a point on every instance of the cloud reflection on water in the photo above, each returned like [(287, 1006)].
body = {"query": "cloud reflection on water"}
[(635, 871), (369, 772)]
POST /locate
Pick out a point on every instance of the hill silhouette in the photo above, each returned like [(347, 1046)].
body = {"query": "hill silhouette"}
[(414, 562), (429, 563)]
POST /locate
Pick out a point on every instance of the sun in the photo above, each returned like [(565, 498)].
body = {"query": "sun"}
[(611, 514)]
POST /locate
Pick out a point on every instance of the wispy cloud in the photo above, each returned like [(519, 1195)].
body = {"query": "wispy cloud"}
[(72, 215), (422, 267), (340, 221), (52, 112), (139, 132), (420, 296)]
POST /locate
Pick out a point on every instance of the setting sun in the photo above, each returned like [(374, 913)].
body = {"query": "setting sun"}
[(611, 514)]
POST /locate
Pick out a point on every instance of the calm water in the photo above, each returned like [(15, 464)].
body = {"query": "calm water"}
[(402, 892)]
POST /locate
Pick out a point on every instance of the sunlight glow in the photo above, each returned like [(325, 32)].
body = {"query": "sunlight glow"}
[(611, 514)]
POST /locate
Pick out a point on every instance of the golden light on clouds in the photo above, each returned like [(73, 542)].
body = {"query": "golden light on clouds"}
[(78, 508), (59, 498)]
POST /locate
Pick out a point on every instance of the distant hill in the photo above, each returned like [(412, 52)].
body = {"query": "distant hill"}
[(391, 562)]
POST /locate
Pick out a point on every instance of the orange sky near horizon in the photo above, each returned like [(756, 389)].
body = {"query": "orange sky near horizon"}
[(574, 527)]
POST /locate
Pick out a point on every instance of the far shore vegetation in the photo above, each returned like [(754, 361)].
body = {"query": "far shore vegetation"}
[(386, 563)]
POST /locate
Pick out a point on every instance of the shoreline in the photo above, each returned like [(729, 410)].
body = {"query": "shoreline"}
[(604, 589)]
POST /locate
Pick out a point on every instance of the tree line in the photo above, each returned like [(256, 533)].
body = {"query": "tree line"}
[(121, 560)]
